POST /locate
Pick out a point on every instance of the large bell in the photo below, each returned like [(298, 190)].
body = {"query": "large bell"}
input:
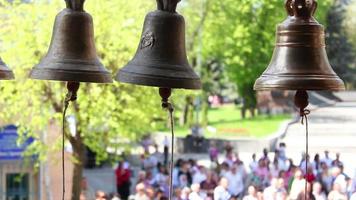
[(161, 59), (5, 72), (299, 60), (72, 55)]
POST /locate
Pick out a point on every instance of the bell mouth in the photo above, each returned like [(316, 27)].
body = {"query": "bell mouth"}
[(158, 81), (70, 75), (299, 82)]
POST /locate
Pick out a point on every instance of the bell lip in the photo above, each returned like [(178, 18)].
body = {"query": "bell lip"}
[(66, 75), (310, 82), (145, 80)]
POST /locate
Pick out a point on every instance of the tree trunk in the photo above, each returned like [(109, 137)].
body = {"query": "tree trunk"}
[(204, 109), (252, 112), (78, 153), (243, 112)]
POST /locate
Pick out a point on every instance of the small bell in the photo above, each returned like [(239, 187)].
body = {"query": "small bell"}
[(5, 72), (161, 58), (72, 55), (299, 60)]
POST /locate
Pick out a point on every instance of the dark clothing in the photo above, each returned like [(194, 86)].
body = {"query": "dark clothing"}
[(123, 182), (124, 190), (188, 175)]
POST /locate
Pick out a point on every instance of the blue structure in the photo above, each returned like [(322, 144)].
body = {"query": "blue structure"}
[(9, 149)]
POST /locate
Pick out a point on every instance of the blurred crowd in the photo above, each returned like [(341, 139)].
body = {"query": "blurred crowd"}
[(272, 176)]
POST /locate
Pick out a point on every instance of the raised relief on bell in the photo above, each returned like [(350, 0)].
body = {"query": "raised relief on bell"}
[(147, 40)]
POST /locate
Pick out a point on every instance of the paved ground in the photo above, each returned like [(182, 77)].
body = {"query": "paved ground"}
[(332, 128)]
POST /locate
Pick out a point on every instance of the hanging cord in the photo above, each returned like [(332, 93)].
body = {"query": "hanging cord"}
[(70, 96), (165, 94), (301, 101), (304, 116)]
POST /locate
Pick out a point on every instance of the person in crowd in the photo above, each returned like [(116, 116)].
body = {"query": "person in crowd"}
[(100, 195), (149, 179), (176, 169), (336, 193), (270, 192), (195, 194), (159, 195), (309, 176), (235, 178), (274, 168), (141, 177), (325, 177), (221, 192), (200, 175), (149, 163), (150, 192), (316, 164), (308, 196), (158, 156), (290, 174), (327, 160), (185, 193), (304, 163), (339, 179), (229, 158), (282, 151), (224, 168), (161, 178), (253, 164), (298, 185), (265, 157), (123, 179), (252, 194), (337, 162), (281, 193), (140, 192), (184, 175), (213, 152), (283, 175), (318, 193), (209, 184), (263, 173)]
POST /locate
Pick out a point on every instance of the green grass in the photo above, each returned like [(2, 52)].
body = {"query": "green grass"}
[(226, 122)]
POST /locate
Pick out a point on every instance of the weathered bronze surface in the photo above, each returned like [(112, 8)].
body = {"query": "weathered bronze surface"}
[(299, 60), (161, 59), (72, 55), (5, 72)]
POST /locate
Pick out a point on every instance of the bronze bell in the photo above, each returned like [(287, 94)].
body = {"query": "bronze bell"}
[(161, 58), (299, 60), (72, 55), (5, 72)]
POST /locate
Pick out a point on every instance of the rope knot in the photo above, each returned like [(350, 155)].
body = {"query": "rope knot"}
[(304, 113)]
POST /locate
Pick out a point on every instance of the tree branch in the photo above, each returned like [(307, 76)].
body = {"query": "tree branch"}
[(199, 26)]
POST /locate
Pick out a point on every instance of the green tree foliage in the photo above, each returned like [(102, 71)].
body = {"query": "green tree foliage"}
[(339, 47), (350, 26), (107, 115)]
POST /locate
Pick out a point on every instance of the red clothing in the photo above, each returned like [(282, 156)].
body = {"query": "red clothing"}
[(122, 176), (310, 177)]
